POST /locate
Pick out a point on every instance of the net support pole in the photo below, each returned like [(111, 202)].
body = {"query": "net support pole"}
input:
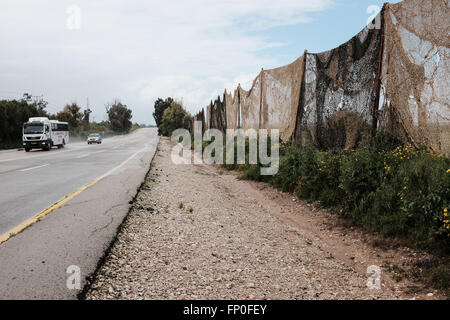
[(380, 70), (261, 97)]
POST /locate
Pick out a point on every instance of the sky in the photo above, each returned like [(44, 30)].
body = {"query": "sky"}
[(136, 51)]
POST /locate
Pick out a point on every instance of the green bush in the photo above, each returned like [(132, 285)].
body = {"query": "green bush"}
[(251, 171), (308, 185), (175, 117), (318, 176), (424, 193), (361, 173), (331, 194), (13, 114), (288, 175), (383, 186), (234, 165)]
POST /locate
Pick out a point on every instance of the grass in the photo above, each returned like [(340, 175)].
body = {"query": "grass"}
[(434, 272), (398, 273), (10, 145)]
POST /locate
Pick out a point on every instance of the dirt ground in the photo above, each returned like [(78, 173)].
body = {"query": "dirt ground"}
[(198, 232)]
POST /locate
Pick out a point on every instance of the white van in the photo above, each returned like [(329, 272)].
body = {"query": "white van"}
[(42, 133)]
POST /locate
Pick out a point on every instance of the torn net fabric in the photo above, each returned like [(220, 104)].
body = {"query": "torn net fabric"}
[(218, 115), (280, 98), (339, 94), (415, 78), (199, 117), (232, 109), (208, 117), (214, 118), (193, 120), (221, 114), (250, 102)]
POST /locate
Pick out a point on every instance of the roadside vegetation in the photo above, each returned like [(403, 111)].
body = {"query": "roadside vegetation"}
[(13, 113), (383, 186), (170, 115), (160, 106)]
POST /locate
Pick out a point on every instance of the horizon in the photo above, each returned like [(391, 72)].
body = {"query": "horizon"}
[(189, 53)]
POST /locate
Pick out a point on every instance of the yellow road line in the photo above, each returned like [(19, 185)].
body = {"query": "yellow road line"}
[(11, 233)]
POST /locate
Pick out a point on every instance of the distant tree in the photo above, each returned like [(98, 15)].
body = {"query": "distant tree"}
[(102, 127), (71, 114), (13, 114), (174, 117), (160, 106), (135, 126), (64, 115), (119, 116), (37, 102)]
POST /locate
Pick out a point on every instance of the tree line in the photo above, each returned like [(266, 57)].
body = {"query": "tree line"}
[(13, 113)]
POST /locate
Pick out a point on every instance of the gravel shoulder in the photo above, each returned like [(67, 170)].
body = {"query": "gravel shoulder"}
[(198, 232)]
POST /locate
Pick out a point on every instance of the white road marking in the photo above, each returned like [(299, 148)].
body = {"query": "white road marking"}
[(7, 235), (88, 154), (44, 165), (50, 153), (74, 147), (118, 146)]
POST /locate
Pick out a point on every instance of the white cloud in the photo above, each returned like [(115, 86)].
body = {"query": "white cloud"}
[(138, 51)]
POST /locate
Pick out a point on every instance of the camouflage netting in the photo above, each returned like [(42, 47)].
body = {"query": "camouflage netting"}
[(250, 102), (232, 109), (415, 76), (198, 117), (395, 76), (280, 98), (339, 93), (218, 115), (208, 117)]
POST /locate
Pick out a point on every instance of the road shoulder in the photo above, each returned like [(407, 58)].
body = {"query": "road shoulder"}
[(35, 261), (197, 232)]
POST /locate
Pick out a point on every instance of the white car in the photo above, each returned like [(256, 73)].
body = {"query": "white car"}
[(94, 138)]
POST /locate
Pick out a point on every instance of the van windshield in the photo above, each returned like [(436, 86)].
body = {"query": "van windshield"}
[(33, 128)]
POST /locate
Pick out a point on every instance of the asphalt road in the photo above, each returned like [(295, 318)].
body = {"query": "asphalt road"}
[(34, 181), (33, 263)]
